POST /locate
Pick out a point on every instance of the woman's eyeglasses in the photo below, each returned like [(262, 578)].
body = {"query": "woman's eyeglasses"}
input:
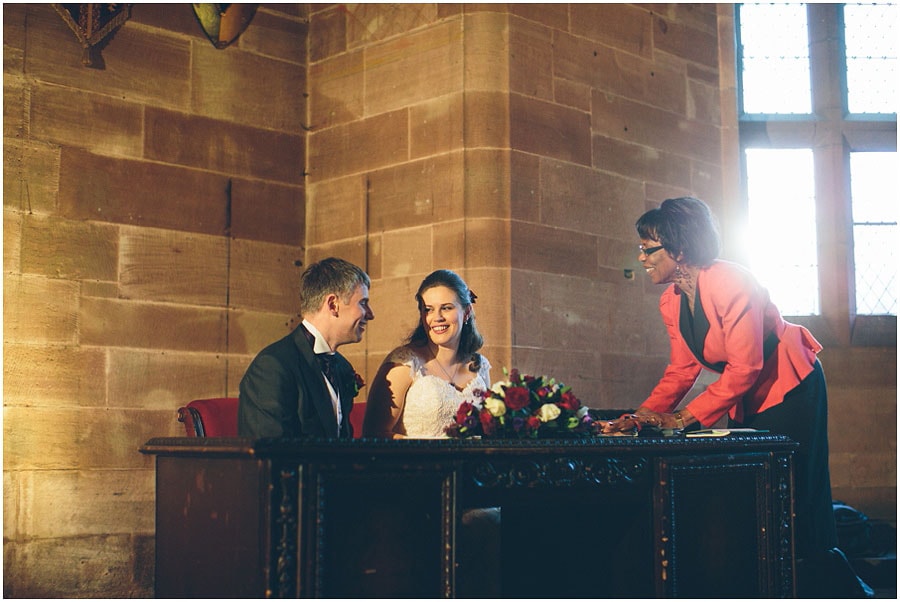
[(648, 251)]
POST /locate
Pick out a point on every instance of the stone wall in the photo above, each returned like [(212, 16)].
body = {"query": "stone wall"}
[(153, 216), (516, 144), (157, 214), (613, 109)]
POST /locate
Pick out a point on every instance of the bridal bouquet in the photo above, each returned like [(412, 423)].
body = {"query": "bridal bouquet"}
[(521, 407)]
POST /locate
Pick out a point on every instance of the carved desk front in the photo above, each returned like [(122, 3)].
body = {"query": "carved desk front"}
[(607, 517)]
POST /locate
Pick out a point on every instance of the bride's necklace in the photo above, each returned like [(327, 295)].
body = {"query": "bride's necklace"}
[(450, 379)]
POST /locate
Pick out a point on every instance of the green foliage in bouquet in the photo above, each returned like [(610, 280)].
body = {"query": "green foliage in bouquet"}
[(523, 407)]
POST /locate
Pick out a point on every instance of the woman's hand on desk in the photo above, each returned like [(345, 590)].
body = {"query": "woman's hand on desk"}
[(631, 422), (625, 423)]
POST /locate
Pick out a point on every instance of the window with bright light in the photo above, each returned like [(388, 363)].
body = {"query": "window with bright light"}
[(870, 32), (873, 187), (792, 278), (775, 52), (817, 88)]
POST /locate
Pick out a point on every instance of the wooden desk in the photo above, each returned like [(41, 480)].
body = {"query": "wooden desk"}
[(609, 517)]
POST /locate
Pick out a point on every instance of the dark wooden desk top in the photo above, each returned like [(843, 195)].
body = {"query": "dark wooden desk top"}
[(310, 448)]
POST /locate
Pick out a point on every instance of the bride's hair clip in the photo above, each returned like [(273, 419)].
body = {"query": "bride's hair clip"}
[(472, 297)]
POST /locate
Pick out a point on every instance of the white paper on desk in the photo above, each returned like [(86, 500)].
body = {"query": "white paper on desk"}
[(721, 432)]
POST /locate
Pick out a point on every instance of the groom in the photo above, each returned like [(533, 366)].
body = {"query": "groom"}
[(299, 386)]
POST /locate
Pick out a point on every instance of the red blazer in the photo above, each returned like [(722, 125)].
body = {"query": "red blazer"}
[(740, 316)]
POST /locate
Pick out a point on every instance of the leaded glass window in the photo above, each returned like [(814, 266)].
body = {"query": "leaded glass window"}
[(818, 132)]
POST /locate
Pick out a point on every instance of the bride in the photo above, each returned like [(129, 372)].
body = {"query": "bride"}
[(416, 393), (420, 384)]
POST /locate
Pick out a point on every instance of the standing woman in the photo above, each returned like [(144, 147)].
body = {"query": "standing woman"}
[(420, 385), (720, 318)]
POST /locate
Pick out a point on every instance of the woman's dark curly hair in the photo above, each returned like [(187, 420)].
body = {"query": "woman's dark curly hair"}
[(684, 226), (470, 340)]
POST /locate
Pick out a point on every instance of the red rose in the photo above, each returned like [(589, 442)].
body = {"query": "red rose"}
[(533, 423), (487, 422), (358, 383), (517, 398), (465, 408), (569, 402)]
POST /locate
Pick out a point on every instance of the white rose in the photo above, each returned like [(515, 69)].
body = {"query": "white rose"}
[(548, 412), (495, 406), (581, 411)]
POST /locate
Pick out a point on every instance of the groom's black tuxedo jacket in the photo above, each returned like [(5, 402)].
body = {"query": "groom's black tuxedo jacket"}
[(283, 392)]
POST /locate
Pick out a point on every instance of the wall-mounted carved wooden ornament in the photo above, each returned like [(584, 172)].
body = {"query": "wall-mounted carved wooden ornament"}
[(224, 23), (93, 25)]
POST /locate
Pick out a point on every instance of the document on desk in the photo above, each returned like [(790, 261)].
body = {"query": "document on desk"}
[(722, 432)]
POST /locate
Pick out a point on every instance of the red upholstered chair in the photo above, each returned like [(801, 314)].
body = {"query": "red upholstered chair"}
[(217, 417), (356, 418)]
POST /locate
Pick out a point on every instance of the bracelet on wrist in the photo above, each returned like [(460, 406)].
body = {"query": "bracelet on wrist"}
[(679, 421)]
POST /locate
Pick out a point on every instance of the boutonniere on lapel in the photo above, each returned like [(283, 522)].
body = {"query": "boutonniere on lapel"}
[(358, 383)]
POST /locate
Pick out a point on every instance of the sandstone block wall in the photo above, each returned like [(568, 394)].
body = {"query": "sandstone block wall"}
[(153, 221), (515, 144)]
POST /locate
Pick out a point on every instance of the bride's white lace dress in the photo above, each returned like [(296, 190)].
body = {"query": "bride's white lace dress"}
[(431, 402)]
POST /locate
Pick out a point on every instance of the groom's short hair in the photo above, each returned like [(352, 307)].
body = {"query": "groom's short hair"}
[(330, 275)]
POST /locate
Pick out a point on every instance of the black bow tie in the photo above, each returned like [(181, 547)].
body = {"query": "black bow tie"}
[(326, 361)]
